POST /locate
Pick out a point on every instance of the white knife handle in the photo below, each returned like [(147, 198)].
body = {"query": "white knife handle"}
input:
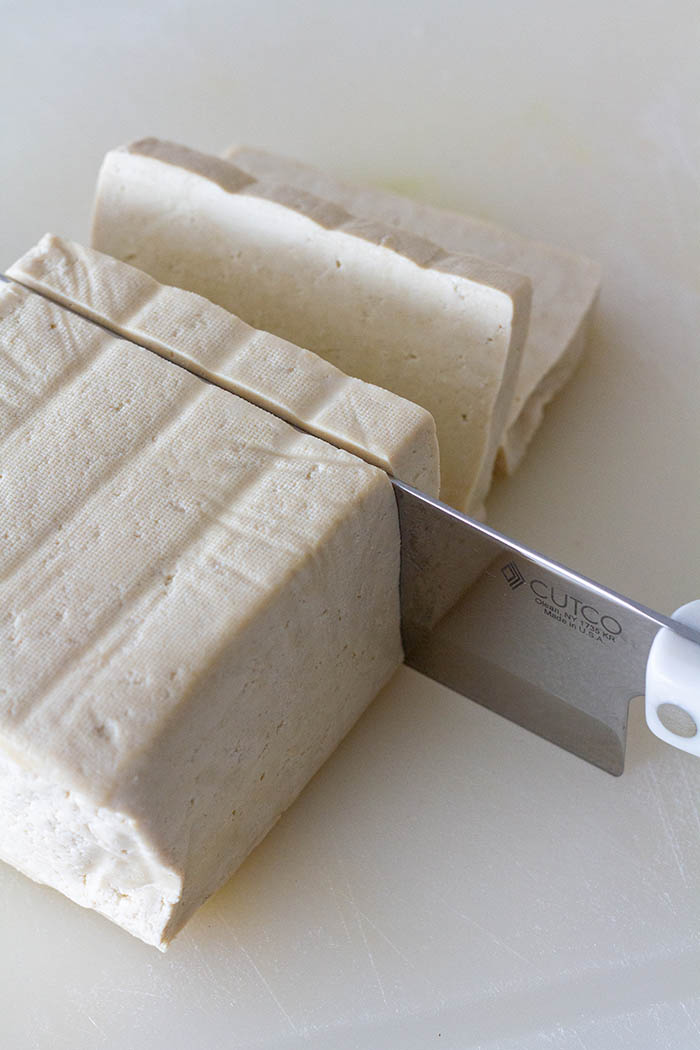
[(673, 684)]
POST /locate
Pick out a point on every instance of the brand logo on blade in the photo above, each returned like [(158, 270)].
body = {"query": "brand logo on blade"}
[(512, 575), (565, 608)]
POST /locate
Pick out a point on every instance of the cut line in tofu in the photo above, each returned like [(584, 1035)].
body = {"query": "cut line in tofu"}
[(442, 330), (293, 383), (564, 285), (197, 601)]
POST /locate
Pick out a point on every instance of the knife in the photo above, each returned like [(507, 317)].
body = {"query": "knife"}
[(531, 639), (538, 643)]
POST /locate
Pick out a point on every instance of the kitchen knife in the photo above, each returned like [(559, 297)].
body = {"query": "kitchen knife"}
[(533, 640), (539, 643)]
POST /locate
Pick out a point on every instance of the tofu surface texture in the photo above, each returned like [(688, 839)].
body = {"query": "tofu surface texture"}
[(293, 383), (564, 286), (196, 603), (443, 330)]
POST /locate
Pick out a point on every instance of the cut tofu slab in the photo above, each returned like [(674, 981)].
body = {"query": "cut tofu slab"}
[(564, 286), (294, 383), (196, 603), (442, 330)]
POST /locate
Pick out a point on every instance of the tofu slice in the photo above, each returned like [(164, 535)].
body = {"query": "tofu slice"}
[(564, 286), (196, 603), (293, 383), (442, 330)]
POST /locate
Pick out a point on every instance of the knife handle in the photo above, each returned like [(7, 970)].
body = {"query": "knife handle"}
[(673, 684)]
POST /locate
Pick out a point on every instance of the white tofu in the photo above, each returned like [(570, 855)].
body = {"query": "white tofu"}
[(442, 330), (295, 384), (196, 603), (564, 286)]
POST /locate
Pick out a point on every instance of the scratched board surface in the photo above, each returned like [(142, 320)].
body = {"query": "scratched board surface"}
[(447, 880)]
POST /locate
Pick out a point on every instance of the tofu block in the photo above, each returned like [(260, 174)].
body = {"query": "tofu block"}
[(196, 603), (445, 331), (564, 286), (293, 383)]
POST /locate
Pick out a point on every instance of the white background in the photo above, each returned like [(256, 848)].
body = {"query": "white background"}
[(447, 880)]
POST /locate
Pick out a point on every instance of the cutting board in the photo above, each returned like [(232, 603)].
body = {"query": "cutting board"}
[(447, 880)]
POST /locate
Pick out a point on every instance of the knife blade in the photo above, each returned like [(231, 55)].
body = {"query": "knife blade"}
[(521, 634), (511, 629)]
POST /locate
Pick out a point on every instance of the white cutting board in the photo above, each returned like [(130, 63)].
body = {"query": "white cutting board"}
[(447, 880)]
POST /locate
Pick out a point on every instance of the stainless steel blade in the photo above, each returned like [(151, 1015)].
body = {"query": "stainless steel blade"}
[(519, 633), (531, 639)]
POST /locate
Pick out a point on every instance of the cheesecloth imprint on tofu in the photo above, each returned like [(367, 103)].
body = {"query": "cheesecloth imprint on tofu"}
[(172, 554), (291, 382)]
